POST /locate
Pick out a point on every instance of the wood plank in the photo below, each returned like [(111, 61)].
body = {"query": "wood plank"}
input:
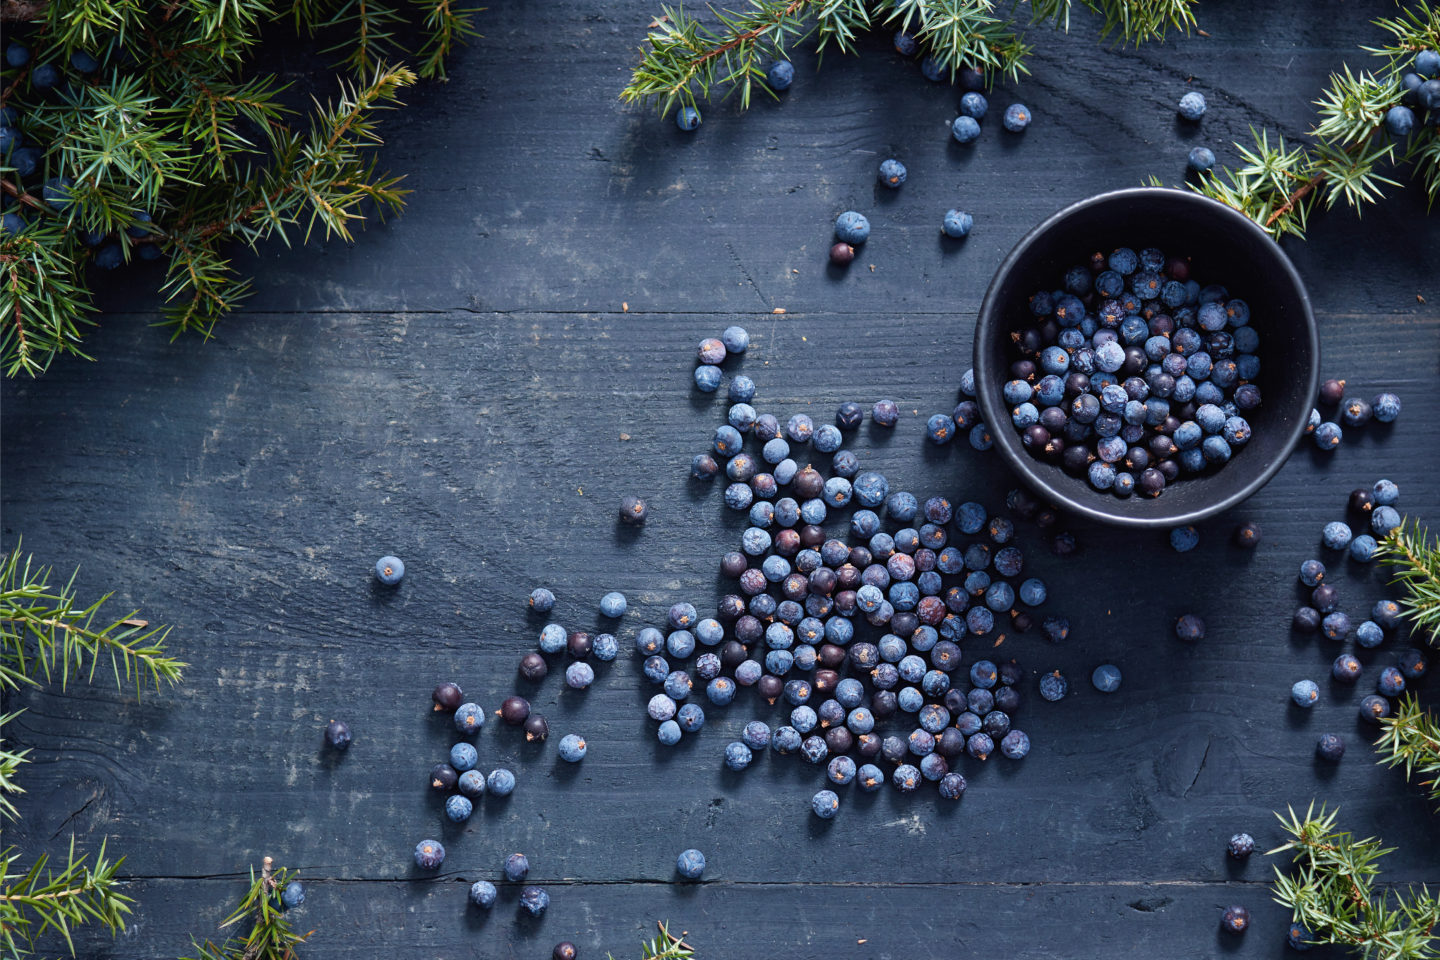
[(805, 920)]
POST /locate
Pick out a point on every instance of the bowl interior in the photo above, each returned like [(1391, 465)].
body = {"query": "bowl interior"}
[(1223, 247)]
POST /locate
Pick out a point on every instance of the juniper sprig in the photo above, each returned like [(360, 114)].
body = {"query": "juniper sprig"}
[(147, 133), (687, 58), (1351, 158)]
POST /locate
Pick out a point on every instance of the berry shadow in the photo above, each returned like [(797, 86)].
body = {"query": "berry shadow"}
[(329, 759), (1325, 770), (951, 246), (383, 596), (626, 533), (1186, 130), (887, 196), (476, 918), (564, 771), (1296, 716), (1227, 942), (838, 271)]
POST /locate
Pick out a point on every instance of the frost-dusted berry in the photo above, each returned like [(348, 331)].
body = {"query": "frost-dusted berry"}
[(1017, 118), (389, 570), (1240, 847), (429, 854), (564, 950), (573, 748), (852, 227), (1413, 665), (1106, 678), (578, 676), (1054, 686), (904, 44), (825, 804), (892, 173), (293, 895), (458, 809), (965, 129), (463, 757), (500, 782), (483, 894), (1192, 106), (1386, 407), (469, 718), (517, 867), (534, 901), (542, 600), (707, 378), (690, 864), (634, 510), (957, 223), (1312, 573), (1336, 535), (447, 696), (1384, 520), (780, 75), (1327, 436), (1335, 626), (1299, 937), (337, 734)]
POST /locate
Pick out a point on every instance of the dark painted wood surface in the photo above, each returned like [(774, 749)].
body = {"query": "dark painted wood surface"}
[(454, 388)]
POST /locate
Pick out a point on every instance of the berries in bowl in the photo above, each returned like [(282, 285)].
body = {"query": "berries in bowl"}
[(1146, 357)]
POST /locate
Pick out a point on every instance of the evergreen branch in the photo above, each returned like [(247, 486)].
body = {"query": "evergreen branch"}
[(39, 899), (1410, 738), (323, 177), (1330, 890), (447, 25), (1415, 557), (42, 306), (684, 58), (269, 936), (1278, 189), (10, 761), (67, 637), (666, 946)]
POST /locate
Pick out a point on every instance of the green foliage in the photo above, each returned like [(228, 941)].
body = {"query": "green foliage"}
[(1416, 560), (39, 899), (44, 630), (177, 148), (1411, 739), (1279, 187), (666, 946), (686, 58), (268, 935), (1330, 888)]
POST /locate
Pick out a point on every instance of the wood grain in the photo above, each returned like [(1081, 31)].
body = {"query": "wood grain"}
[(454, 388)]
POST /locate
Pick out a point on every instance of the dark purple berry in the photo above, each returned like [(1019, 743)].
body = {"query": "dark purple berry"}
[(443, 778), (448, 696), (533, 667), (633, 510), (1332, 392), (536, 728), (514, 710), (337, 734), (842, 254)]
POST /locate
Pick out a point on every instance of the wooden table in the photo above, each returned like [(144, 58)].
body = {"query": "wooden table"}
[(474, 386)]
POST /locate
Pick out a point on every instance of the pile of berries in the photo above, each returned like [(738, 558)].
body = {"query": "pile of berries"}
[(1351, 411), (1133, 374), (923, 576), (25, 159), (1375, 507)]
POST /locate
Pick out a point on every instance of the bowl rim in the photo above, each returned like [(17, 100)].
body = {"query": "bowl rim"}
[(1008, 441)]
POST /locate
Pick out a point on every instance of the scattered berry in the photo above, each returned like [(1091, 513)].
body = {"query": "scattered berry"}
[(389, 570)]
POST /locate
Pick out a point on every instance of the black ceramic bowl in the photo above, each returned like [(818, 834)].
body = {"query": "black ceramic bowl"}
[(1223, 246)]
